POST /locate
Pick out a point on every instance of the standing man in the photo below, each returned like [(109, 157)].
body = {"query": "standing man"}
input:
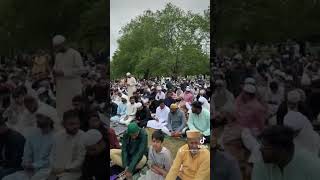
[(192, 161), (131, 83), (67, 71)]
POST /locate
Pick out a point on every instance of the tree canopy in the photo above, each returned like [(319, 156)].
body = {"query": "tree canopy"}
[(168, 42)]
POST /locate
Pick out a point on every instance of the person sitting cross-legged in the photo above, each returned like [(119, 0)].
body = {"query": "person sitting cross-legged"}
[(133, 152)]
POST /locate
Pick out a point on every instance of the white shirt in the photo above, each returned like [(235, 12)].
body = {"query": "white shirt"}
[(162, 114), (160, 95)]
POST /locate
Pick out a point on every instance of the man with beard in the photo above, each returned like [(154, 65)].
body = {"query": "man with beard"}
[(68, 69), (221, 95), (194, 159), (100, 91), (143, 115), (83, 111), (282, 159), (68, 152)]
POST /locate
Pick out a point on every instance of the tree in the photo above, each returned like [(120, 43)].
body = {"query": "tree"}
[(165, 42)]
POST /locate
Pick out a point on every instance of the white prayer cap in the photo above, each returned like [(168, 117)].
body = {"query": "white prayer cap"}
[(202, 99), (58, 39), (159, 88), (188, 88), (202, 91), (41, 90), (294, 96), (250, 81), (92, 137), (47, 112), (295, 120), (128, 74), (144, 101), (138, 105), (249, 88)]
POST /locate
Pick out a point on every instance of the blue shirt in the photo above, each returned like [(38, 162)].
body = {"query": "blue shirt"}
[(37, 149), (122, 109)]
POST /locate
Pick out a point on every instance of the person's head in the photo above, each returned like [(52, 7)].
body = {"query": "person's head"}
[(276, 144), (71, 122), (219, 84), (19, 94), (59, 43), (169, 94), (119, 94), (124, 100), (274, 86), (133, 130), (94, 142), (44, 122), (293, 99), (173, 108), (31, 104), (157, 140), (139, 106), (77, 102), (193, 140), (196, 107), (102, 82), (249, 92), (128, 75), (161, 103), (132, 100), (94, 121), (3, 127)]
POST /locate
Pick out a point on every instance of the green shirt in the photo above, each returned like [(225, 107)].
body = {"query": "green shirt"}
[(200, 122), (303, 166), (134, 150)]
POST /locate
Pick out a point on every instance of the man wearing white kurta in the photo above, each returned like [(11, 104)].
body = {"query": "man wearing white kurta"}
[(131, 112), (68, 68), (131, 83), (161, 118), (68, 152)]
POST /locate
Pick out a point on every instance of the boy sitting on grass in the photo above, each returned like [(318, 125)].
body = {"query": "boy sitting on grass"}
[(159, 158)]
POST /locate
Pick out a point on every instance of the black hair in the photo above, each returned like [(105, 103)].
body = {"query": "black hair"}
[(77, 98), (274, 85), (29, 100), (158, 135), (278, 136), (132, 97), (71, 114), (21, 90), (161, 101), (197, 105)]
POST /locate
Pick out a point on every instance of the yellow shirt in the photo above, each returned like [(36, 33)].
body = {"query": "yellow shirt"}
[(190, 168)]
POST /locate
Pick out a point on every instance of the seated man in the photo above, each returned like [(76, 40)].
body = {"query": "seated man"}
[(11, 148), (132, 155), (159, 158), (161, 118), (95, 164), (131, 112), (282, 159), (199, 120), (169, 99), (108, 134), (121, 111), (36, 151), (192, 161), (68, 151), (176, 121), (143, 115)]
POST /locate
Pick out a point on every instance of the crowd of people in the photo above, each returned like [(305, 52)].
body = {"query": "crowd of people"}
[(53, 122), (177, 108), (265, 106)]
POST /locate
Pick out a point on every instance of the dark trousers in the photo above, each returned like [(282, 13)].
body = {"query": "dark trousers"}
[(7, 171)]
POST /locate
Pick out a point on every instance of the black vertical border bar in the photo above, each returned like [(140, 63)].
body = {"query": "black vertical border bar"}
[(108, 105), (213, 10)]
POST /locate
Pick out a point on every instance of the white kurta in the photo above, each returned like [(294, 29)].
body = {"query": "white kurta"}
[(68, 152), (68, 85), (162, 115), (131, 86)]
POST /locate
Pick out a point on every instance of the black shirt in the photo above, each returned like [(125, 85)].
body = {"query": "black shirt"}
[(95, 166)]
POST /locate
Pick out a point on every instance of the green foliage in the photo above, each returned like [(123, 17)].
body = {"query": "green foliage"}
[(169, 42)]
